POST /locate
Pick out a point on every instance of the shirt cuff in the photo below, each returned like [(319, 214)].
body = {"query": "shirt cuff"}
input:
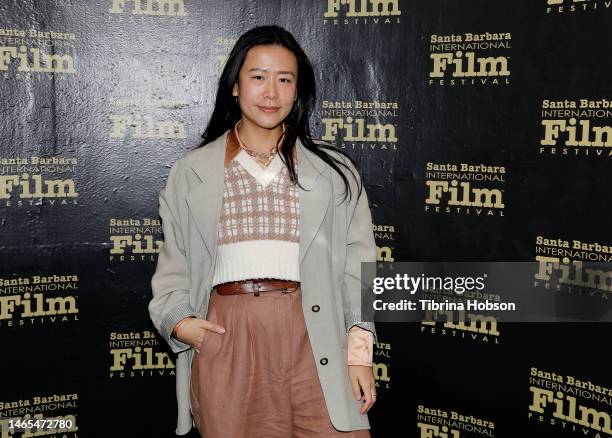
[(360, 346)]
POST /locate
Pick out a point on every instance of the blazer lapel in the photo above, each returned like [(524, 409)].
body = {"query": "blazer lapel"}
[(314, 201), (205, 200)]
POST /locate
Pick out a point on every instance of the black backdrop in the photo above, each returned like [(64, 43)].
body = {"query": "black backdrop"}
[(99, 98)]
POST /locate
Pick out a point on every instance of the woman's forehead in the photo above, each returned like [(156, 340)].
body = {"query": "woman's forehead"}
[(270, 58)]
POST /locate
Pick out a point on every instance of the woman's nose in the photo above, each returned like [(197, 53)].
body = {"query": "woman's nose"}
[(270, 90)]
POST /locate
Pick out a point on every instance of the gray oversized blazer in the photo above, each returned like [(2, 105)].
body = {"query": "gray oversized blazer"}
[(334, 239)]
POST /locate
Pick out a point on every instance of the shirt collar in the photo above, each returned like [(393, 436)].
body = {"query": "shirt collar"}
[(232, 147)]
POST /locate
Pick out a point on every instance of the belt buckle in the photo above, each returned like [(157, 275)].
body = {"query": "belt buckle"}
[(288, 289), (256, 285)]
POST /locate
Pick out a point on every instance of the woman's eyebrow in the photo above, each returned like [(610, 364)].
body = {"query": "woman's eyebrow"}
[(265, 70)]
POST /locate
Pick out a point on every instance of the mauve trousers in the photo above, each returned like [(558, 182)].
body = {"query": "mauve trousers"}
[(259, 378)]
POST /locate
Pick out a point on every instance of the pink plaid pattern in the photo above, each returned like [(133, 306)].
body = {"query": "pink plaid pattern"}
[(251, 211)]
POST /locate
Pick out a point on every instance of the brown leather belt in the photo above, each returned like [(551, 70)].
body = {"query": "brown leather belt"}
[(256, 286)]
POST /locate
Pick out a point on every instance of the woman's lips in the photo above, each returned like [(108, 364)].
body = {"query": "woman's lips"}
[(269, 109)]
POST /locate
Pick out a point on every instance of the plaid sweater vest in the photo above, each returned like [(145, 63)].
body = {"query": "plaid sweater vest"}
[(258, 234)]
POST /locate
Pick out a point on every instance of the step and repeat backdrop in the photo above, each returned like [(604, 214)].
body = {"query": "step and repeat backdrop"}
[(482, 129)]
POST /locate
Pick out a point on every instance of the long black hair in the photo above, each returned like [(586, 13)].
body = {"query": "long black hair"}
[(227, 111)]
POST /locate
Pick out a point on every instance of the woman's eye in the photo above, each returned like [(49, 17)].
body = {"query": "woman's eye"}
[(288, 81)]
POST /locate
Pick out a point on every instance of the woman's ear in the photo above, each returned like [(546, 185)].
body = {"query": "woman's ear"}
[(235, 90)]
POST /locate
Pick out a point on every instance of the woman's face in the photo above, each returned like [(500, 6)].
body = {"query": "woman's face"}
[(266, 86)]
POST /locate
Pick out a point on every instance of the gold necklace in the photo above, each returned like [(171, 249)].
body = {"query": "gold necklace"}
[(263, 158)]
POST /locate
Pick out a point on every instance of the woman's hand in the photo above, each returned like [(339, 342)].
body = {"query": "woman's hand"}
[(192, 331), (362, 379)]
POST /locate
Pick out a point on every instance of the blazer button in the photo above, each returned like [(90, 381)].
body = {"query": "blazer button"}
[(315, 308), (323, 361)]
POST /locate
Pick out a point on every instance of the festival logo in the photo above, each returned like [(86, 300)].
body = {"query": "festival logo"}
[(360, 125), (148, 8), (436, 422), (382, 362), (460, 324), (40, 415), (573, 267), (470, 59), (385, 240), (142, 118), (138, 354), (570, 404), (144, 126), (364, 12), (35, 54), (464, 189), (554, 7), (36, 181), (576, 128), (38, 300), (135, 240)]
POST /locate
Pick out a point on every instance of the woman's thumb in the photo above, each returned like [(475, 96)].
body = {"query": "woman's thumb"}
[(217, 328)]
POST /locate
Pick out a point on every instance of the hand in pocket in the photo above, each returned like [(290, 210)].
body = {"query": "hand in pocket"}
[(194, 331)]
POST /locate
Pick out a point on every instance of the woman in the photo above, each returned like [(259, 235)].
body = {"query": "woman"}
[(257, 287)]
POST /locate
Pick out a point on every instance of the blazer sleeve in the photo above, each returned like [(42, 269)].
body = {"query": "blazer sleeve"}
[(360, 247), (170, 283)]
